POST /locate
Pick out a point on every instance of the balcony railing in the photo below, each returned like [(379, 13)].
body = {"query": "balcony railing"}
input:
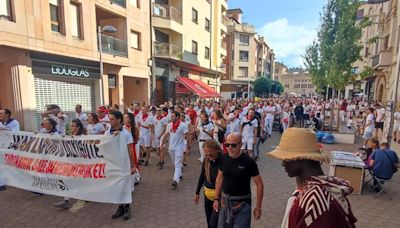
[(168, 12), (114, 46), (121, 3), (167, 50)]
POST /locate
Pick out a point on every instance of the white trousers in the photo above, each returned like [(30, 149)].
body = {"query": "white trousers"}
[(268, 125), (201, 151), (177, 158)]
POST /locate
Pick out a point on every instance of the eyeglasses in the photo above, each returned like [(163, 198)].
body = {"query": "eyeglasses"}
[(233, 145)]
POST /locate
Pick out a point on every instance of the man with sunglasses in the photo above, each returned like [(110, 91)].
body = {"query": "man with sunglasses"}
[(232, 189)]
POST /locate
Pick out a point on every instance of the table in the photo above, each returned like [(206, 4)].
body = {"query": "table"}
[(348, 166)]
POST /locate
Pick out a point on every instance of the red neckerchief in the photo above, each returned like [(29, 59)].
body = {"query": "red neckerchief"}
[(136, 112), (165, 114), (247, 117), (236, 116), (175, 125), (159, 117), (144, 117)]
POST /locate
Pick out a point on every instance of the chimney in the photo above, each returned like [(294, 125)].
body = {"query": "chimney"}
[(235, 14)]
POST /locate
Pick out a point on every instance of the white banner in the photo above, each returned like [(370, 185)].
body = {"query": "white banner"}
[(91, 168)]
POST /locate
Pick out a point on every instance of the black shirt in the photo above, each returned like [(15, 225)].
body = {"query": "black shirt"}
[(213, 176), (237, 174), (299, 110)]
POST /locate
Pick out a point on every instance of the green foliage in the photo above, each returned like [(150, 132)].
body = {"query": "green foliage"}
[(368, 71), (264, 87), (329, 59), (373, 40)]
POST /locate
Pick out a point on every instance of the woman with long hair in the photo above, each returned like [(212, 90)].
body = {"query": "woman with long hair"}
[(94, 127), (207, 179), (129, 125), (219, 126)]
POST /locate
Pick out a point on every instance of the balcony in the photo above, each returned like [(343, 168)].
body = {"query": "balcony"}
[(167, 12), (121, 3), (113, 46), (167, 50), (381, 60), (225, 20)]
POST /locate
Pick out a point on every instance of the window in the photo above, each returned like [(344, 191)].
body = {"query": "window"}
[(207, 25), (6, 10), (56, 16), (287, 86), (135, 3), (135, 40), (244, 56), (310, 86), (194, 16), (207, 53), (194, 47), (276, 70), (296, 86), (303, 86), (76, 20), (243, 72), (386, 42), (244, 40), (366, 52)]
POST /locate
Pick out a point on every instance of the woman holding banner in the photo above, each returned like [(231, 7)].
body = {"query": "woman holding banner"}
[(76, 130)]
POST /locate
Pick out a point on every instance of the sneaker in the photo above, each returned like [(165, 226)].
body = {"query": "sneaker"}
[(65, 204), (3, 188), (127, 212), (146, 163), (174, 184), (161, 165), (120, 211)]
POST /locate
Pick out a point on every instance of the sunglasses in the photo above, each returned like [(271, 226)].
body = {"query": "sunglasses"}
[(233, 145)]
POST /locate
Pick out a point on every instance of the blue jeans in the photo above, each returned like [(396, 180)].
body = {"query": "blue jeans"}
[(256, 151), (241, 217)]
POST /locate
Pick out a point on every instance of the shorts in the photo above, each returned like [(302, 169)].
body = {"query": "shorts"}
[(396, 127), (144, 140), (379, 125), (248, 143), (367, 135), (155, 142)]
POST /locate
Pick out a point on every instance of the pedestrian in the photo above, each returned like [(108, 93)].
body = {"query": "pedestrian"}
[(116, 128), (232, 189), (145, 124), (94, 127), (79, 114), (318, 201), (219, 126), (49, 126), (6, 122), (368, 127), (248, 129), (159, 125), (270, 111), (396, 126), (129, 125), (285, 119), (177, 133), (207, 178), (299, 113), (77, 129), (379, 114), (205, 131)]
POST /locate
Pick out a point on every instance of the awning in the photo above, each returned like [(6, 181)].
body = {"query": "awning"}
[(198, 87)]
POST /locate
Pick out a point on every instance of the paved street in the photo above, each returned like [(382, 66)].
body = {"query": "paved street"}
[(157, 205)]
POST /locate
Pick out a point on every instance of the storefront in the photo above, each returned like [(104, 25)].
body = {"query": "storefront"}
[(66, 82)]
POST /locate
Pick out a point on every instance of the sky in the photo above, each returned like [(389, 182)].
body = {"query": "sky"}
[(288, 25)]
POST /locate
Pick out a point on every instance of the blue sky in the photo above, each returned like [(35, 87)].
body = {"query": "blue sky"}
[(288, 25)]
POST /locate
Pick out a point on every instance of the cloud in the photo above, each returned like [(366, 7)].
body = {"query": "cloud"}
[(288, 41)]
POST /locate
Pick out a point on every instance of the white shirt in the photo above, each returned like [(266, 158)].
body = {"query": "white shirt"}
[(124, 133), (159, 126), (397, 118), (234, 124), (95, 129), (270, 109), (248, 131), (82, 117), (145, 123), (11, 126), (177, 138), (61, 123), (370, 119), (205, 128), (379, 114)]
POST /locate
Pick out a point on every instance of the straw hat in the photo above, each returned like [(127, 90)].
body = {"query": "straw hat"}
[(298, 144)]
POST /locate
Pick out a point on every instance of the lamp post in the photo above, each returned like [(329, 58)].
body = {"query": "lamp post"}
[(222, 66), (100, 30)]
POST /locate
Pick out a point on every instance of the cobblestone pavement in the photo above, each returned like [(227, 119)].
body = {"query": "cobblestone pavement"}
[(157, 205)]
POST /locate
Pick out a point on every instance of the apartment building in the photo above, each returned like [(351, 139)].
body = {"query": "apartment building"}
[(248, 57), (298, 82), (279, 70), (49, 54), (188, 48)]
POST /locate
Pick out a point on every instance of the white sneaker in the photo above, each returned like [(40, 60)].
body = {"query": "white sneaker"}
[(63, 204)]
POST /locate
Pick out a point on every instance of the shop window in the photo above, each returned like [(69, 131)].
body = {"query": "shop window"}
[(56, 16), (6, 10), (76, 19)]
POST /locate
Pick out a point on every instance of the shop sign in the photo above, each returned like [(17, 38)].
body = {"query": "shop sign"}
[(69, 71), (64, 70)]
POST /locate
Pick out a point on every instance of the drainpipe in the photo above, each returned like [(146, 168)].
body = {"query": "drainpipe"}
[(152, 77)]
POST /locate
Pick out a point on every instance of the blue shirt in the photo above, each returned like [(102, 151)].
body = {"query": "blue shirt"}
[(383, 163)]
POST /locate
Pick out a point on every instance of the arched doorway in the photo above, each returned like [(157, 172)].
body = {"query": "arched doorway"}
[(380, 92)]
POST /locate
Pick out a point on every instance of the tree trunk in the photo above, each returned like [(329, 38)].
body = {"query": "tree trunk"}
[(338, 114), (332, 107)]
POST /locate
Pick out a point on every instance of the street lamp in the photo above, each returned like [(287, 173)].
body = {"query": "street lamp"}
[(248, 87), (100, 30), (222, 66)]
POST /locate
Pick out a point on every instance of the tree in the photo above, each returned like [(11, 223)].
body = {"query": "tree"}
[(264, 87)]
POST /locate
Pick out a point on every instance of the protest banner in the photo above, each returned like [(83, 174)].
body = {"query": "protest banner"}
[(91, 168)]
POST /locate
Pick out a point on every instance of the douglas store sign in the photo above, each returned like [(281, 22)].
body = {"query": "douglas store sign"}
[(65, 67)]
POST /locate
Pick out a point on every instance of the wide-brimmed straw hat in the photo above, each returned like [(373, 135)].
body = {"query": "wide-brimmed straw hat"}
[(298, 144)]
